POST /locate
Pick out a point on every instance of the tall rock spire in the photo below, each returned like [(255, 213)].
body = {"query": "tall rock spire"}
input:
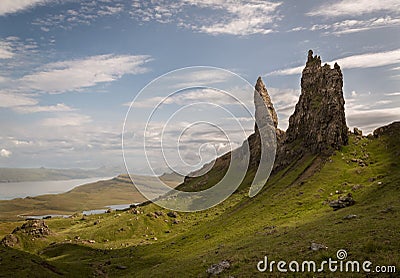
[(266, 101), (319, 120)]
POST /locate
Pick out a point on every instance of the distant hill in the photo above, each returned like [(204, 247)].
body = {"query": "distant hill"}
[(45, 174), (97, 195)]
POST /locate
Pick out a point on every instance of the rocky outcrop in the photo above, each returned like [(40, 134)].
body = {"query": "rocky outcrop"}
[(342, 202), (35, 228), (392, 130), (10, 240), (319, 122)]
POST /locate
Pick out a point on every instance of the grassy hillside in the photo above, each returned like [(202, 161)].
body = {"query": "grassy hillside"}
[(281, 222), (97, 195)]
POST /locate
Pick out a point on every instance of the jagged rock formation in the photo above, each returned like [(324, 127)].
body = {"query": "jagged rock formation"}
[(318, 125), (319, 122)]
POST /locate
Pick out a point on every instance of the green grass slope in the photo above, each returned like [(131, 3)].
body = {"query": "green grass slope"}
[(280, 222)]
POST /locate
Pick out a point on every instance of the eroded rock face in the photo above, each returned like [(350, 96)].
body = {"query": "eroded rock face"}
[(319, 122)]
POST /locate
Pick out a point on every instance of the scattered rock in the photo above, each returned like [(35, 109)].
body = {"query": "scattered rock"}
[(121, 267), (97, 222), (175, 221), (342, 202), (357, 187), (135, 211), (108, 210), (317, 246), (159, 213), (350, 216), (10, 240), (218, 268), (172, 214)]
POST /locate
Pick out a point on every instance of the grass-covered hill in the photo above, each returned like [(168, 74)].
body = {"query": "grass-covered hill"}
[(290, 213), (97, 195)]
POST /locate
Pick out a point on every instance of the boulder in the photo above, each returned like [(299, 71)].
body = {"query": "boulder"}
[(342, 202), (218, 268)]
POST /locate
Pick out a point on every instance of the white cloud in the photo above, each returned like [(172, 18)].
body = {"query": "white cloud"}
[(284, 101), (24, 103), (13, 6), (60, 107), (75, 75), (71, 119), (222, 17), (208, 95), (370, 119), (353, 25), (367, 60), (14, 99), (355, 8), (393, 94), (5, 153), (370, 60), (5, 50), (290, 71), (245, 17), (85, 13)]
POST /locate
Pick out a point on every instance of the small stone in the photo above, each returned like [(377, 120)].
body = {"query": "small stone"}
[(121, 267), (317, 246), (172, 214), (357, 187), (350, 216)]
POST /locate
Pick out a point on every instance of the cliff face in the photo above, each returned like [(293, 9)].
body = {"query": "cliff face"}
[(319, 121)]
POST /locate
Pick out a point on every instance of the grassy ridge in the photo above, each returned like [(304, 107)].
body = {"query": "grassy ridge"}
[(281, 222), (116, 191)]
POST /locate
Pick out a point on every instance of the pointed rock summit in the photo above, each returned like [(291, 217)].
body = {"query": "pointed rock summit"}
[(262, 91), (319, 121)]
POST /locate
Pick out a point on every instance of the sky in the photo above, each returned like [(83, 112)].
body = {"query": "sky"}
[(70, 69)]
